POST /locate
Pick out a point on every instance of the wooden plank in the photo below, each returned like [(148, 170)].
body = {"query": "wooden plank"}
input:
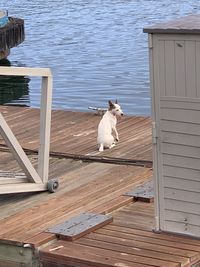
[(40, 239), (112, 204), (143, 245), (76, 254), (144, 238), (148, 257), (138, 221), (177, 239), (120, 253)]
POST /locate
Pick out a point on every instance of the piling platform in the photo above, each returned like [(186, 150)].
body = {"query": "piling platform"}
[(90, 182)]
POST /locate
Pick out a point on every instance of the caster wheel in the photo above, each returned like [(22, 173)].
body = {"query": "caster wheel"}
[(52, 185)]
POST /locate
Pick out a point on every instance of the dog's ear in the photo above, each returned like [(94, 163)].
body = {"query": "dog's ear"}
[(116, 102), (111, 105)]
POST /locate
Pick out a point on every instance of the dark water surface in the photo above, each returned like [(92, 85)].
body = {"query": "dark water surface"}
[(95, 48)]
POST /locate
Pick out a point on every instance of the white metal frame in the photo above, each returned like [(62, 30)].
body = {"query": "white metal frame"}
[(35, 180)]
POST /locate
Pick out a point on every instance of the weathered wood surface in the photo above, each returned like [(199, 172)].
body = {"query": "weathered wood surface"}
[(84, 187), (93, 187), (128, 241), (75, 133), (88, 187)]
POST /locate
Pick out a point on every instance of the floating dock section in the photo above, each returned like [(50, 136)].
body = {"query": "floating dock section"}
[(11, 33)]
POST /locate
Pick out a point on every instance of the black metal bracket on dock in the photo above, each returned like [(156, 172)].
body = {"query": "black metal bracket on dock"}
[(144, 192)]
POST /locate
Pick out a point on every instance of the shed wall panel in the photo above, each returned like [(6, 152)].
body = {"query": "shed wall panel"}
[(180, 103), (180, 127), (180, 68), (197, 55), (182, 228), (169, 69), (191, 163), (180, 206), (181, 115), (182, 173), (182, 184), (190, 66), (162, 69), (180, 194), (176, 61), (189, 218), (181, 150), (180, 138)]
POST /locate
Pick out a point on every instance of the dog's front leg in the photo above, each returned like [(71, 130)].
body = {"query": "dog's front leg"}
[(116, 134), (101, 147)]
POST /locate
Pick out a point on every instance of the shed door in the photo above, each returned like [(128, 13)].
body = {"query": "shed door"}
[(180, 153), (176, 99)]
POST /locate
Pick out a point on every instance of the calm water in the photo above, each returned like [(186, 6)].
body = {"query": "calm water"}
[(95, 48)]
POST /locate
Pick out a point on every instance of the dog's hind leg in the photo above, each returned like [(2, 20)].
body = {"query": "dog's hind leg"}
[(113, 144), (101, 147)]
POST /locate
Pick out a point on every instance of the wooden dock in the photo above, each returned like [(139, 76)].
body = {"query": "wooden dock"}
[(87, 184), (74, 134), (128, 241)]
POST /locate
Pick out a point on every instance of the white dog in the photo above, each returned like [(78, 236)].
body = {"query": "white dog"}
[(107, 125)]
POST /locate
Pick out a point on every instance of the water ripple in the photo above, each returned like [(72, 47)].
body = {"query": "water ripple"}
[(96, 49)]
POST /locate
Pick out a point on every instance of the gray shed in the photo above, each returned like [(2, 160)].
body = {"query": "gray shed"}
[(174, 49)]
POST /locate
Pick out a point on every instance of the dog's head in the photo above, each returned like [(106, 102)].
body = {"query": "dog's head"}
[(115, 108)]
